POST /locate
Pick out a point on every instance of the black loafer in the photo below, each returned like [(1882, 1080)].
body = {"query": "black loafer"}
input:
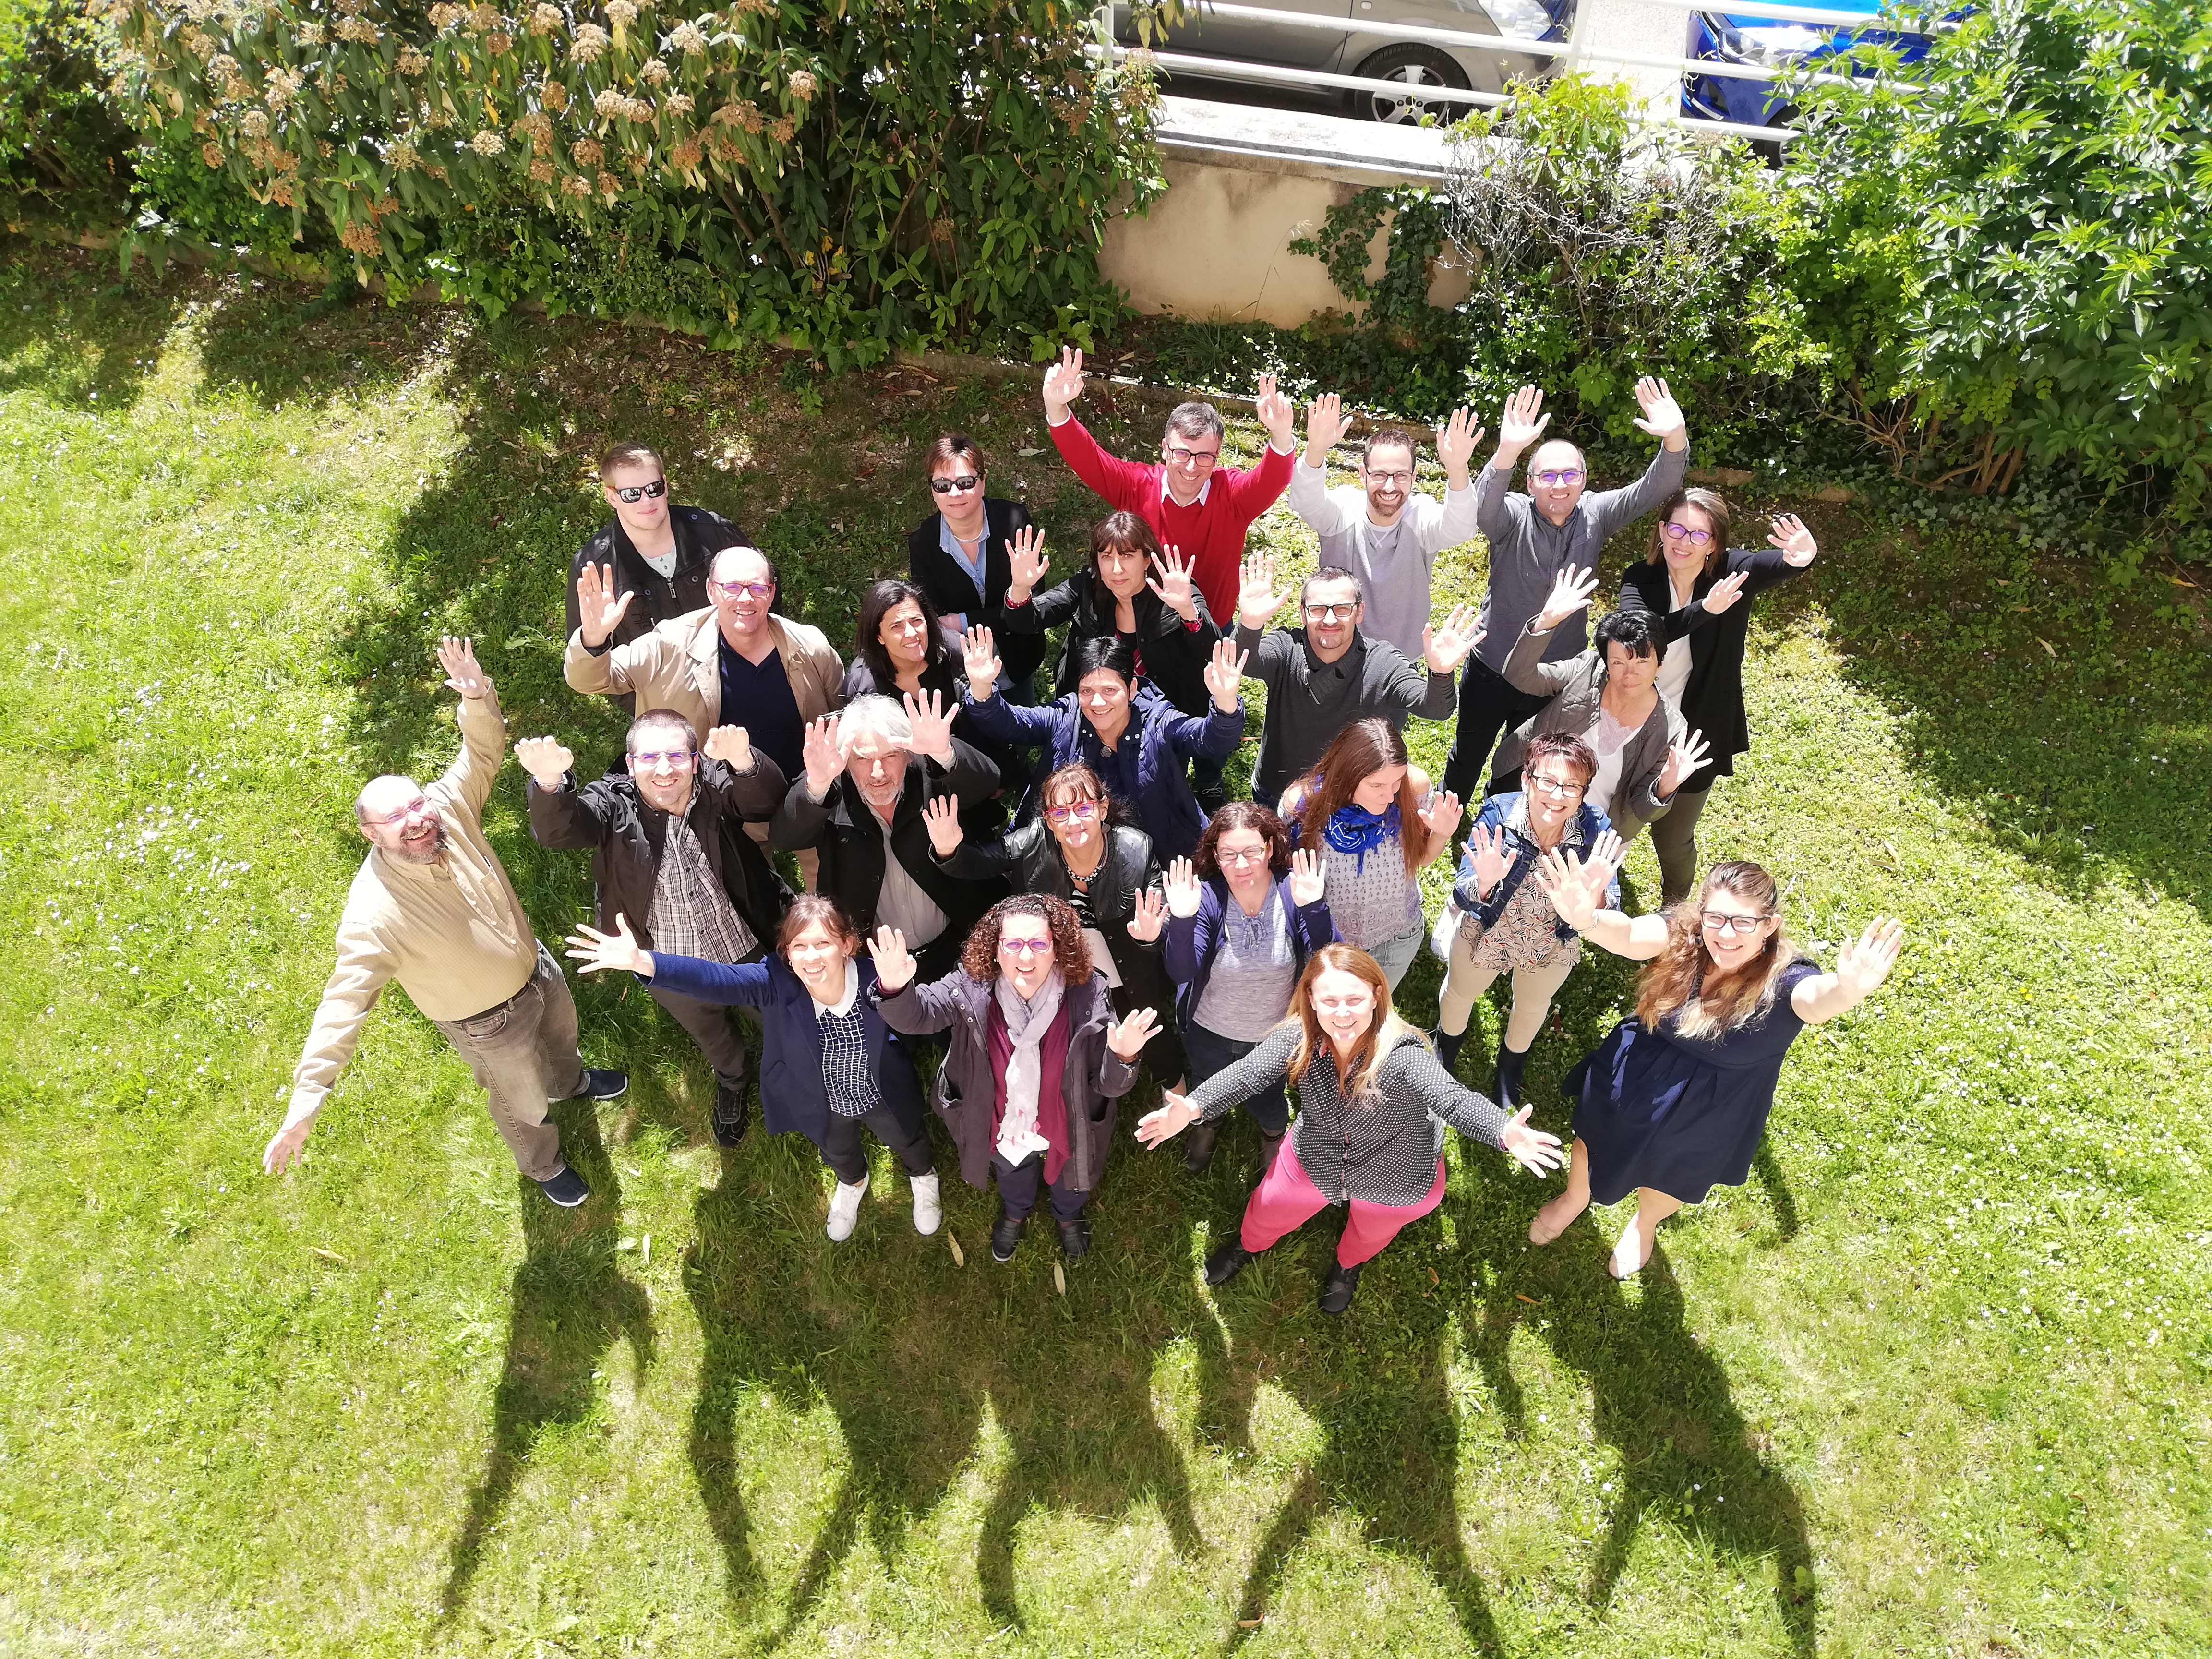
[(568, 1189), (1198, 1146), (731, 1113), (1006, 1234), (1075, 1239), (1226, 1262), (1336, 1291)]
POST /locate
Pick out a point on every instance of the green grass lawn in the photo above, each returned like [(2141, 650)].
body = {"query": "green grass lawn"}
[(1935, 1383)]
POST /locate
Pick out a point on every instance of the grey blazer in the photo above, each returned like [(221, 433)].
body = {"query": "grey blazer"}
[(1574, 684)]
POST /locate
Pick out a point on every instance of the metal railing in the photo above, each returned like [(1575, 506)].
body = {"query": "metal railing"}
[(1577, 49)]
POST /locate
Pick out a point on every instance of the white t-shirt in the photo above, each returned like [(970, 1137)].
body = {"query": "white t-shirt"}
[(1675, 666), (1609, 737), (664, 562)]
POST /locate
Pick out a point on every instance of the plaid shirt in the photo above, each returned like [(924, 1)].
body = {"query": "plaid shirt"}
[(691, 915)]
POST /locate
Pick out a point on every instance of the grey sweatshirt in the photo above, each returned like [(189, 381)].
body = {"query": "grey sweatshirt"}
[(1527, 550), (1309, 700)]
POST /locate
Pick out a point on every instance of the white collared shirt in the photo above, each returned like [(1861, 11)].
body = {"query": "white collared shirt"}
[(843, 1005)]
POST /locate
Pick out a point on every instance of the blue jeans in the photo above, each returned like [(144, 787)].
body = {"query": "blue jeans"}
[(1210, 1052)]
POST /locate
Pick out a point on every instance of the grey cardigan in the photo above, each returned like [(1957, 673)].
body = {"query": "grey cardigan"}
[(1382, 1149), (1575, 686)]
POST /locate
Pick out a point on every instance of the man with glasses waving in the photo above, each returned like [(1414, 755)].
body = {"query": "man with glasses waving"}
[(660, 859), (1325, 674), (658, 550), (432, 906), (1559, 522), (1382, 530), (737, 653)]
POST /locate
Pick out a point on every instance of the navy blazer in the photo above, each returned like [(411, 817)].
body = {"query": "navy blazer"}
[(1191, 942), (794, 1100)]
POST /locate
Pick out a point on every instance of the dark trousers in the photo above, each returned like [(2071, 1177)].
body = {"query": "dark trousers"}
[(1206, 783), (1148, 988), (1488, 707), (1210, 1052), (846, 1154), (713, 1027), (1018, 1184)]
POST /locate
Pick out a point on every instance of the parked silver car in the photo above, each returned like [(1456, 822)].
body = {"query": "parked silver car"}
[(1346, 46)]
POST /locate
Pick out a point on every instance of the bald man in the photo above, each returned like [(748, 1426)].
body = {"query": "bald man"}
[(1560, 521), (432, 907)]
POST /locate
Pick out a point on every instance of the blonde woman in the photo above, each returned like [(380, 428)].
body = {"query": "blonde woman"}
[(1674, 1100), (1369, 1135)]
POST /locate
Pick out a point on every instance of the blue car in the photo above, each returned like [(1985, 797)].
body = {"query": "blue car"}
[(1773, 43)]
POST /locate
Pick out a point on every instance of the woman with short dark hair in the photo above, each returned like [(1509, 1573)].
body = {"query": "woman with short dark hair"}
[(1674, 1102), (1036, 1060), (958, 555), (900, 650), (829, 1066), (1689, 585)]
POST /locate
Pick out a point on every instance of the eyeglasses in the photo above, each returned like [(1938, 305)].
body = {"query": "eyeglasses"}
[(1182, 457), (1329, 613), (1401, 479), (1559, 786), (420, 804), (1682, 533), (1025, 947), (1719, 921), (743, 590), (953, 486), (1244, 860), (1572, 475), (1076, 809), (629, 493), (679, 760)]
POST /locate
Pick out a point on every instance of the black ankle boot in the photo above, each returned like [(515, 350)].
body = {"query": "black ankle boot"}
[(1509, 1064), (1336, 1291), (1197, 1145), (1447, 1044), (1225, 1261)]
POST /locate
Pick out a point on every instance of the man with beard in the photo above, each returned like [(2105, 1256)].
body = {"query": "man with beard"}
[(432, 907), (1381, 530)]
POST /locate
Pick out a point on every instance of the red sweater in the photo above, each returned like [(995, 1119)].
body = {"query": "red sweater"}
[(1210, 531)]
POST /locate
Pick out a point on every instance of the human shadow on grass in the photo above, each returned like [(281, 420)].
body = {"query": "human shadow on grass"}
[(572, 1304)]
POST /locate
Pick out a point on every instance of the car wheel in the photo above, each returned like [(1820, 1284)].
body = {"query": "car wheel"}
[(1770, 151), (1416, 67)]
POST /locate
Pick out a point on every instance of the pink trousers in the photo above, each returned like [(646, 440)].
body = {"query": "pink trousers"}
[(1285, 1199)]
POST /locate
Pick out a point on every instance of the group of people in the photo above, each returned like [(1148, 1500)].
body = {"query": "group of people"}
[(1049, 889)]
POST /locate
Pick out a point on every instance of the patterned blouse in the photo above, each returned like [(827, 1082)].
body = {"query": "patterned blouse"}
[(1370, 896)]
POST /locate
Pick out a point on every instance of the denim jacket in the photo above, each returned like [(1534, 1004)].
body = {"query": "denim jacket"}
[(1511, 813)]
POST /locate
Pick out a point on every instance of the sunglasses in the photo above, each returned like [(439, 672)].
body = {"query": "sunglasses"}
[(1682, 533), (743, 590), (1572, 475), (953, 486), (1080, 809), (630, 493)]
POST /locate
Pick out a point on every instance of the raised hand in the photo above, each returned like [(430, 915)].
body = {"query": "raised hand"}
[(1326, 425), (1258, 598), (1521, 424), (1559, 877), (598, 612), (1440, 816), (545, 759), (1174, 1115), (932, 724), (1456, 441), (595, 952), (1532, 1149), (1867, 960), (1601, 862), (1174, 586), (1493, 858), (980, 659), (941, 817), (1277, 413), (1151, 916), (1796, 543), (459, 658), (1025, 562), (1127, 1038), (1662, 415), (1724, 592), (824, 759), (894, 963), (731, 745), (1224, 673), (1308, 876), (1063, 385), (1683, 758), (1443, 649), (1182, 887), (1571, 592)]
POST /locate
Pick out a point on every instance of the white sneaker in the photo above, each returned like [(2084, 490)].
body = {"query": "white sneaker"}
[(929, 1205), (845, 1209)]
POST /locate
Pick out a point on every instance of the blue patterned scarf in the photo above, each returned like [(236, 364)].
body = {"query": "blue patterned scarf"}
[(1352, 829)]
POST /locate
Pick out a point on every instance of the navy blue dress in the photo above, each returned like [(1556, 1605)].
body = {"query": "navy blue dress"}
[(1680, 1114)]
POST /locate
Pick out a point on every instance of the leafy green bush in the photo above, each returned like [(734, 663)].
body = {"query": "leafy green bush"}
[(2028, 236), (853, 176), (63, 153)]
